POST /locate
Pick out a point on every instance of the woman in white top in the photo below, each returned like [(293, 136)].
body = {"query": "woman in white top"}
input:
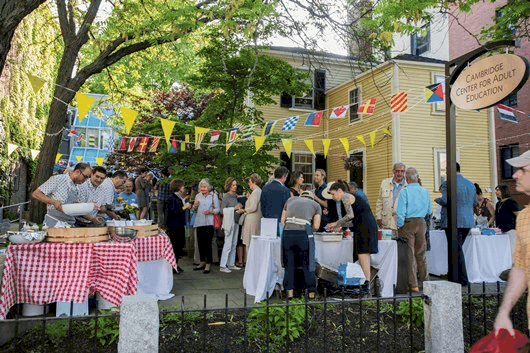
[(206, 205)]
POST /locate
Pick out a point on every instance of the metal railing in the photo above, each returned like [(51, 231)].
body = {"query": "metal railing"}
[(21, 211)]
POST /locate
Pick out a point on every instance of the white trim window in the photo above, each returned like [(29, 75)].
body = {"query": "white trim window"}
[(353, 100), (439, 107)]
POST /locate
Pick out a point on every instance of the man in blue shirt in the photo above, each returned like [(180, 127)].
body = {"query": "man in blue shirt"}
[(355, 191), (414, 204), (128, 196), (274, 196)]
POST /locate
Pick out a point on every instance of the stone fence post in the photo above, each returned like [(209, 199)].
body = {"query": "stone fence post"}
[(139, 325), (444, 332)]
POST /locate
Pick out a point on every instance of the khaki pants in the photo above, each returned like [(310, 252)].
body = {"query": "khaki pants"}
[(414, 233)]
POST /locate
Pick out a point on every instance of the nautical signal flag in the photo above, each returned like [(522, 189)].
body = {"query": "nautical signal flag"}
[(143, 144), (232, 134), (173, 146), (290, 123), (215, 136), (314, 118), (367, 107), (269, 128), (506, 113), (398, 102), (434, 93), (154, 145), (247, 131), (338, 112), (123, 144), (132, 143)]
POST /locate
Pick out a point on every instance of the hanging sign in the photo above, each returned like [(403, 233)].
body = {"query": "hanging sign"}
[(489, 81)]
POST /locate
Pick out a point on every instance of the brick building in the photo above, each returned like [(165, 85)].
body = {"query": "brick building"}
[(511, 138)]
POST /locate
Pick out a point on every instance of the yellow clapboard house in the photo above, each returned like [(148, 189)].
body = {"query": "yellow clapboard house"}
[(416, 136)]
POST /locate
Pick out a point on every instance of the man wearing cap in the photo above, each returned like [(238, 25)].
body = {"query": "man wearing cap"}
[(385, 208), (300, 217), (519, 278)]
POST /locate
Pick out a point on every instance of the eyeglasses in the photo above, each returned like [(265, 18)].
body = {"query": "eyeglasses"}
[(84, 175)]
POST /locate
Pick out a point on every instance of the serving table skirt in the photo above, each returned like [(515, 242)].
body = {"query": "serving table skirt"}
[(264, 269), (486, 256), (51, 272), (155, 262)]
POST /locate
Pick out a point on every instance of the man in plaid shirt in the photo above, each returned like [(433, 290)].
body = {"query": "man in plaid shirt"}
[(163, 196), (520, 272)]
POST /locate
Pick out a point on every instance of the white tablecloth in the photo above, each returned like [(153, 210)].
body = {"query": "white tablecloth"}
[(486, 256), (155, 278), (437, 256), (264, 268), (386, 260)]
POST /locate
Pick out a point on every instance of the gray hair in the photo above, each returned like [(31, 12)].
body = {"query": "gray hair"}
[(399, 164), (206, 182), (412, 174)]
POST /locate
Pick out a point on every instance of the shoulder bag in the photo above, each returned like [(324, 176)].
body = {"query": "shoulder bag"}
[(216, 217)]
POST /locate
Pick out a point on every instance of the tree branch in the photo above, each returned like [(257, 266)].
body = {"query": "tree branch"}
[(88, 20)]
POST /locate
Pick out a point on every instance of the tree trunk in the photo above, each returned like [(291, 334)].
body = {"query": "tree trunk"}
[(12, 13)]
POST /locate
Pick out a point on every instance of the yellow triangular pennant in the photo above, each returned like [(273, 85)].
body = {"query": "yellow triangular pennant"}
[(34, 154), (386, 132), (326, 143), (361, 138), (182, 146), (228, 145), (372, 138), (309, 144), (187, 138), (79, 158), (128, 116), (167, 127), (288, 145), (346, 144), (57, 157), (84, 103), (259, 140), (36, 83), (100, 160), (11, 148)]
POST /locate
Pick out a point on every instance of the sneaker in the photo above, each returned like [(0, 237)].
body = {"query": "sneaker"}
[(225, 270), (237, 268)]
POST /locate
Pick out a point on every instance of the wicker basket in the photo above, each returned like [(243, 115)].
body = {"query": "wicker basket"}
[(77, 235)]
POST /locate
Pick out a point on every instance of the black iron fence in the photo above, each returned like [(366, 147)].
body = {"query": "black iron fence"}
[(328, 324)]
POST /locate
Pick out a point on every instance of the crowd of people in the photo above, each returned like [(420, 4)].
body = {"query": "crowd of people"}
[(301, 207)]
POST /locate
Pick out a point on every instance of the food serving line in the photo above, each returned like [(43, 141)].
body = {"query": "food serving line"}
[(42, 273)]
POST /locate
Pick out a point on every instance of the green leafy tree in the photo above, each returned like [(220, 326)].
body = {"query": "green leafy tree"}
[(133, 26)]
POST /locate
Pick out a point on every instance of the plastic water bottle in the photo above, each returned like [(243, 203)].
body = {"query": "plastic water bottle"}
[(348, 233)]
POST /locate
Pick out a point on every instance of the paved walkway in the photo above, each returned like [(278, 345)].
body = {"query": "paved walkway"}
[(193, 286)]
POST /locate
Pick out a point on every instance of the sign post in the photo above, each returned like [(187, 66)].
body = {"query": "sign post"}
[(483, 85)]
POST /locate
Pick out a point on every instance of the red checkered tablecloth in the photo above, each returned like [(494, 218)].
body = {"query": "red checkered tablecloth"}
[(46, 273), (155, 248)]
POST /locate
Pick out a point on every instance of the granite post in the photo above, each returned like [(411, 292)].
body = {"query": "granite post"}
[(139, 324), (444, 332)]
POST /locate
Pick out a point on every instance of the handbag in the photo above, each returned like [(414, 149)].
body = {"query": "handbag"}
[(501, 343), (242, 219), (216, 217)]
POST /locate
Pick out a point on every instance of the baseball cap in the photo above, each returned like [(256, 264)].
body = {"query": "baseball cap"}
[(521, 161)]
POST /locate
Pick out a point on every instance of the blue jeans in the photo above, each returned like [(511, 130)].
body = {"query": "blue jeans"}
[(298, 252)]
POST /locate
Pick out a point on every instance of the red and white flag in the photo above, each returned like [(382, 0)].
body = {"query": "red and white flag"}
[(132, 143), (154, 145), (123, 144), (215, 136), (506, 113)]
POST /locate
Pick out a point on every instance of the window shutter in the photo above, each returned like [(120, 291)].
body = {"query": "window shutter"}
[(319, 91), (286, 101)]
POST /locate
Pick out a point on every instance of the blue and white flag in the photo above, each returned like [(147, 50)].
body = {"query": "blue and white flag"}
[(506, 113), (290, 123)]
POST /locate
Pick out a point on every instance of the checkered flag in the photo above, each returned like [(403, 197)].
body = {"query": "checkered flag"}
[(290, 123)]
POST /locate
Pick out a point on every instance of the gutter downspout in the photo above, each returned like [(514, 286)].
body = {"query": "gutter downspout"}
[(493, 153), (396, 134)]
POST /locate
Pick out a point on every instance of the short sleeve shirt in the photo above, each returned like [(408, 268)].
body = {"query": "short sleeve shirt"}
[(302, 208), (129, 198), (62, 188), (521, 254), (101, 195)]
